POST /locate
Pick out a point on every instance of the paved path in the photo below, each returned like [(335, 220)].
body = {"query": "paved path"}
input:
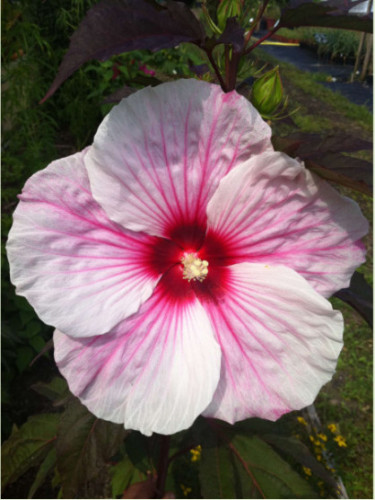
[(307, 60)]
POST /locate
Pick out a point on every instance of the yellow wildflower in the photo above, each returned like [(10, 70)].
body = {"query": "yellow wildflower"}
[(322, 436), (340, 440), (307, 471), (332, 428), (196, 453), (185, 489), (301, 420)]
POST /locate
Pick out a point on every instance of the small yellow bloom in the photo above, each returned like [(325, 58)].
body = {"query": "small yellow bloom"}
[(301, 420), (307, 471), (319, 458), (332, 428), (185, 489), (340, 440), (322, 436), (196, 453)]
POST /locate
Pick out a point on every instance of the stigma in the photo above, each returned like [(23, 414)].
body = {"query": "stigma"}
[(194, 268)]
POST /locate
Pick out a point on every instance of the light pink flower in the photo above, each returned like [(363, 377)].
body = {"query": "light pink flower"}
[(186, 263)]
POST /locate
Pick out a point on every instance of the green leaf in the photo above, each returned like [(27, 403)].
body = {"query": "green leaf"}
[(235, 465), (124, 474), (136, 446), (24, 356), (54, 390), (46, 467), (37, 342), (84, 447), (28, 445)]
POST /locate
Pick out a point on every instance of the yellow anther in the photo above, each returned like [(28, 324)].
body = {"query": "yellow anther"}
[(194, 268)]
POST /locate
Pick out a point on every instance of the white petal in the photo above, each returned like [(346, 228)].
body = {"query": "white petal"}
[(81, 272), (155, 372), (159, 155), (272, 210), (280, 341)]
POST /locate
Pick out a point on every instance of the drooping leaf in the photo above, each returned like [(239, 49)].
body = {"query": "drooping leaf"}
[(233, 35), (323, 155), (300, 452), (360, 296), (44, 470), (28, 445), (56, 389), (328, 14), (242, 465), (84, 447), (114, 26)]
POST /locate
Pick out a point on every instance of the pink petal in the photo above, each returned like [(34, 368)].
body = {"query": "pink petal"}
[(280, 341), (272, 210), (81, 272), (154, 372), (159, 155)]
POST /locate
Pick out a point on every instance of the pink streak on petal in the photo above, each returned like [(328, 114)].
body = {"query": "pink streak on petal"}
[(280, 342), (154, 372), (159, 155), (272, 210), (79, 270)]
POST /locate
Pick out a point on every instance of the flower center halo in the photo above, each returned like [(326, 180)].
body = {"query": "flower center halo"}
[(194, 268)]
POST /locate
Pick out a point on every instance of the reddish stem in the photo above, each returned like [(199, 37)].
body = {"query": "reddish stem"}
[(258, 18), (162, 466), (258, 42)]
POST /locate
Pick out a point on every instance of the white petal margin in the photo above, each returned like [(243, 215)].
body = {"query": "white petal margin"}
[(155, 372), (280, 341), (81, 272), (159, 155), (271, 209)]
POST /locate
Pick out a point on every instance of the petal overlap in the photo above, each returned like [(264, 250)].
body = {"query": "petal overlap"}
[(273, 210), (159, 155), (280, 341), (81, 272), (155, 372)]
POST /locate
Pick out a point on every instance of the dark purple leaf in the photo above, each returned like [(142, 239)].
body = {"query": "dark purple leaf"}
[(115, 26), (84, 446), (199, 69), (329, 14), (322, 154), (233, 35), (119, 94), (360, 296)]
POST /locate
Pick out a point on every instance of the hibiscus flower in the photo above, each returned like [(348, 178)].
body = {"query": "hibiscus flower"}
[(185, 264)]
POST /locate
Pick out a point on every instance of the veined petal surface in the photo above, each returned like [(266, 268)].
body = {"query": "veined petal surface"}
[(159, 155), (155, 372), (273, 210), (280, 341), (81, 272)]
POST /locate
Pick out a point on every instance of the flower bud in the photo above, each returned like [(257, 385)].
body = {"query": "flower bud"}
[(227, 9), (267, 92)]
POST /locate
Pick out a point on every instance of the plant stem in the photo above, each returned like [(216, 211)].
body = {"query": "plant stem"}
[(216, 69), (258, 18), (258, 42), (162, 466)]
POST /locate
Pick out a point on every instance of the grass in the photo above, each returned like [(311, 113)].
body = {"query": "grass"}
[(347, 399)]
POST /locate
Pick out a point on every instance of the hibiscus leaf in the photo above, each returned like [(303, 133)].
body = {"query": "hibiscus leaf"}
[(45, 468), (27, 446), (238, 465), (322, 154), (336, 177), (329, 14), (57, 388), (360, 296), (84, 447), (300, 452), (137, 448), (114, 26), (233, 35), (124, 474)]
